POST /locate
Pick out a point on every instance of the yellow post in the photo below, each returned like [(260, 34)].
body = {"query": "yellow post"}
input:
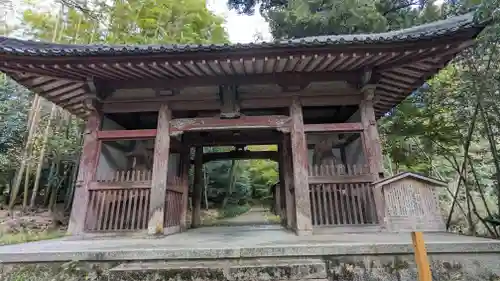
[(424, 269)]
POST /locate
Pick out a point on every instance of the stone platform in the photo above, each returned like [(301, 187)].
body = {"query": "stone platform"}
[(237, 242), (264, 253)]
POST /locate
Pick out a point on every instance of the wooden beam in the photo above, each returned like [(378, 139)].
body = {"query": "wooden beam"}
[(240, 155), (244, 137), (86, 173), (273, 101), (160, 172), (126, 134), (334, 127), (300, 170), (282, 78), (185, 165), (244, 122), (198, 188), (288, 182), (372, 148), (340, 179)]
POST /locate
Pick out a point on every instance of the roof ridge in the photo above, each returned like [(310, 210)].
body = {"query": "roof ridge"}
[(424, 31)]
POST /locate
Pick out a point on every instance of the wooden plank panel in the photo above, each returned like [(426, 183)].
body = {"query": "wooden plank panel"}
[(331, 208), (336, 202), (134, 208), (140, 209), (319, 195)]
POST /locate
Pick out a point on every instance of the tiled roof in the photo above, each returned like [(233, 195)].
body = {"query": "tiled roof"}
[(423, 32)]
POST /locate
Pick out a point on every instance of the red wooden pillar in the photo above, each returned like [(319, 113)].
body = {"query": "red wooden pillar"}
[(373, 149), (186, 163), (160, 172), (300, 175), (198, 188), (86, 172)]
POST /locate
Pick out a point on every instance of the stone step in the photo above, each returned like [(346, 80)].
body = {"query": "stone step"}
[(262, 269)]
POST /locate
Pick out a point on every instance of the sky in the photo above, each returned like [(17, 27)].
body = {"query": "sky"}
[(241, 28)]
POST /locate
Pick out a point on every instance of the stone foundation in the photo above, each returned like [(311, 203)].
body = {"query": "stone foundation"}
[(445, 267)]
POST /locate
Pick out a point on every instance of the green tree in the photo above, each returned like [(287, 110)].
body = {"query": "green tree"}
[(300, 18)]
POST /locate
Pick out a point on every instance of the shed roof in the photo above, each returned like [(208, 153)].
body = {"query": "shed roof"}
[(415, 176), (400, 61)]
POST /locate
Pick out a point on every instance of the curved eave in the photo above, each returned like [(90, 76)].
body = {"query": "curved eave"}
[(397, 67)]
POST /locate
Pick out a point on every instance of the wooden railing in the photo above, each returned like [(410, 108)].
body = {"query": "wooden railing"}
[(173, 204), (341, 195), (126, 176), (119, 201)]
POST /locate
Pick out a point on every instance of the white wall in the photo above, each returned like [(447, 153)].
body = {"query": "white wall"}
[(104, 166), (355, 153)]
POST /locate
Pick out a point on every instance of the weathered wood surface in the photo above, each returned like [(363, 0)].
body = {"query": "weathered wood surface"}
[(288, 182), (118, 209), (160, 172), (282, 184), (214, 123), (300, 167), (371, 137), (86, 172), (126, 134), (238, 155), (334, 127), (371, 141), (153, 104), (122, 176), (341, 195), (198, 187), (186, 163), (173, 205)]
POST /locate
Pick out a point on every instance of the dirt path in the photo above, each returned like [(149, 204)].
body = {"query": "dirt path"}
[(256, 215)]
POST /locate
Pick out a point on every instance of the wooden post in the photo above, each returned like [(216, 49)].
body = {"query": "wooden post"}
[(198, 188), (423, 266), (373, 149), (288, 182), (300, 175), (86, 172), (160, 172), (186, 163), (282, 184)]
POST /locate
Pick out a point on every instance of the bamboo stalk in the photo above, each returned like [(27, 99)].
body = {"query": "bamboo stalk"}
[(24, 157), (42, 157)]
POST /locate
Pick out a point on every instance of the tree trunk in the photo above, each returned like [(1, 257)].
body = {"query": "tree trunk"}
[(42, 157), (232, 182), (24, 158)]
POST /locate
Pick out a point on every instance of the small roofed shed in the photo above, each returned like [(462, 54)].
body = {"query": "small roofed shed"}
[(396, 62)]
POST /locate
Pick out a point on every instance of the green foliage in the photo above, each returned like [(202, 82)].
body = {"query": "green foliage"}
[(128, 22), (14, 101), (300, 18)]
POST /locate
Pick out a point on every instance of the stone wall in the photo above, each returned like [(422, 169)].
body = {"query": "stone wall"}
[(445, 267)]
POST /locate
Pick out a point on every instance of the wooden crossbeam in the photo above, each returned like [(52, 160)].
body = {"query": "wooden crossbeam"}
[(181, 125), (240, 155), (334, 127)]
